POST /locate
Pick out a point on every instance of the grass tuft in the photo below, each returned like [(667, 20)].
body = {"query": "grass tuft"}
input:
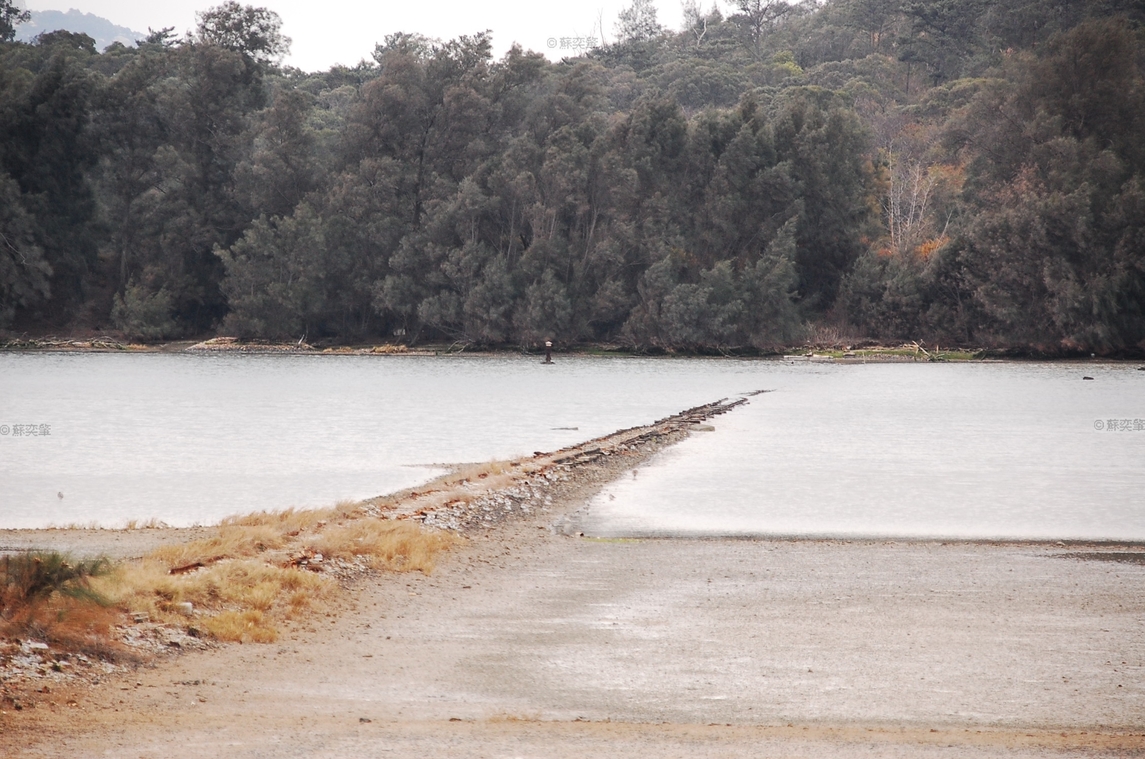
[(389, 544), (222, 590), (286, 520), (250, 626), (35, 576), (241, 582), (231, 540), (52, 597), (150, 524)]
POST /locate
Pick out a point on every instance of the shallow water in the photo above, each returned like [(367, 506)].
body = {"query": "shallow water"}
[(962, 450), (972, 450), (190, 439)]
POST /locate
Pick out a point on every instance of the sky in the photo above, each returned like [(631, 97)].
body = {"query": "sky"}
[(345, 31)]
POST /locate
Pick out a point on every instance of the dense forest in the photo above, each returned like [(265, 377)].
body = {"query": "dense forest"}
[(961, 172)]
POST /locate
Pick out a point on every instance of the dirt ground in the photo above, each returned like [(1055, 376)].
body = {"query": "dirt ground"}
[(114, 544), (530, 643)]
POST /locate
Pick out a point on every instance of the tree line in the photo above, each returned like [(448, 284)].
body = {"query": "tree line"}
[(958, 171)]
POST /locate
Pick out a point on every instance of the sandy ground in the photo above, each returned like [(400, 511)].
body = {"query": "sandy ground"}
[(114, 544), (530, 643)]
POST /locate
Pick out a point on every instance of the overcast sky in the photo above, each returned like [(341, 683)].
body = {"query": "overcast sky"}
[(345, 31)]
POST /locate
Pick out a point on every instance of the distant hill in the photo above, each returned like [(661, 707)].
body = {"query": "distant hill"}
[(100, 29)]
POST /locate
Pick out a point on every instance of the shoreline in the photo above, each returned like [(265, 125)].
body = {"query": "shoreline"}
[(533, 642), (471, 500), (864, 352), (123, 544), (631, 445)]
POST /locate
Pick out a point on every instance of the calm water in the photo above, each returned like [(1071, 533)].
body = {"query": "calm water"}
[(980, 450), (958, 450), (190, 439)]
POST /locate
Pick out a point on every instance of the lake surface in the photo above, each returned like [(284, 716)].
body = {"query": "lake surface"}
[(952, 450), (972, 450), (190, 439)]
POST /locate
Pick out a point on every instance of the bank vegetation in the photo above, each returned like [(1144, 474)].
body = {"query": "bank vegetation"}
[(954, 172)]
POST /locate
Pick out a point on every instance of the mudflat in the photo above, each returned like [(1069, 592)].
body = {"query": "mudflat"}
[(530, 643)]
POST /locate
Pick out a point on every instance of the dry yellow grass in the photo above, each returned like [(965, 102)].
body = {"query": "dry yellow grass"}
[(395, 545), (248, 535), (76, 526), (260, 594), (150, 524), (69, 623), (240, 581), (243, 581), (229, 541), (249, 626), (287, 520)]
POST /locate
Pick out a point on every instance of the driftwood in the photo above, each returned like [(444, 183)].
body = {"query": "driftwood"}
[(193, 566)]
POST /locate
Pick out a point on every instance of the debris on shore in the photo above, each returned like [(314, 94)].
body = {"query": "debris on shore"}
[(234, 345), (93, 344)]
